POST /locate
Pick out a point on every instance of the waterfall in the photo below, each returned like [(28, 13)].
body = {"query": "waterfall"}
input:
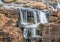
[(35, 17), (38, 15), (21, 16), (1, 2), (33, 33), (43, 18), (25, 33), (58, 5)]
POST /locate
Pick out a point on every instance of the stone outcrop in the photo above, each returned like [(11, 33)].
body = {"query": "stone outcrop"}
[(3, 20), (58, 12), (51, 32), (12, 16), (39, 5), (57, 0), (55, 16), (9, 32)]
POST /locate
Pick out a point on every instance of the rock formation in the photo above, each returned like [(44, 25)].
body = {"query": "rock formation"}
[(9, 32), (7, 1), (3, 20), (51, 31), (39, 5), (12, 16)]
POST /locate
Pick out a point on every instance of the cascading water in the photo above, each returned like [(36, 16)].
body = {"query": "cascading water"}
[(55, 6), (1, 2), (58, 5), (35, 17), (43, 18), (38, 18), (21, 17)]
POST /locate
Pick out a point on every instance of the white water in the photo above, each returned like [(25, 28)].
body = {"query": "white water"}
[(33, 27), (35, 17), (58, 5), (43, 18), (21, 16), (1, 2)]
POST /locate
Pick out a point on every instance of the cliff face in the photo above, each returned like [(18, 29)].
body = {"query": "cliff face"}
[(51, 31), (9, 31), (11, 34)]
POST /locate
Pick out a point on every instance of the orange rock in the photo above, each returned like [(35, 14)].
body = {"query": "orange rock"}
[(57, 0), (51, 32), (3, 20), (8, 1), (14, 34), (12, 15), (58, 12), (39, 5)]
